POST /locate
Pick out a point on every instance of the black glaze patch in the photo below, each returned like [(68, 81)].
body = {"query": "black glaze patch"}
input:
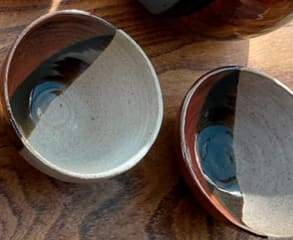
[(51, 78), (215, 134), (186, 7)]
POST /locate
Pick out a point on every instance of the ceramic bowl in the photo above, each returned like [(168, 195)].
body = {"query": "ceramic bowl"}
[(81, 96), (236, 150)]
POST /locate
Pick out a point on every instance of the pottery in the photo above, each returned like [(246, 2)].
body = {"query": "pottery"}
[(222, 19), (80, 98), (235, 144)]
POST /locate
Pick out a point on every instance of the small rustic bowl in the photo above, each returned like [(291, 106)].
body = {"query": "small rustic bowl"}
[(80, 97), (235, 133)]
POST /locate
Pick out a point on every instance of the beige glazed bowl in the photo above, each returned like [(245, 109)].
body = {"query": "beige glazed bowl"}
[(81, 96), (236, 135)]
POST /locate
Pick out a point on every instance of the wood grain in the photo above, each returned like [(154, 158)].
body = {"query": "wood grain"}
[(151, 201)]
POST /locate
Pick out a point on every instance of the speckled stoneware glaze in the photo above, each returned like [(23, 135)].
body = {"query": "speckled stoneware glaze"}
[(235, 138), (223, 19), (81, 97)]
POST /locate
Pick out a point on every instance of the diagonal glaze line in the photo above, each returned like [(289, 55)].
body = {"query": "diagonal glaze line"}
[(51, 78)]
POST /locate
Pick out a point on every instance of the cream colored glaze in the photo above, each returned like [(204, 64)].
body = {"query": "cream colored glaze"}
[(263, 138)]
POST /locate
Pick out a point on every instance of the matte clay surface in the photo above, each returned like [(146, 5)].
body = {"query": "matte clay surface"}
[(151, 201), (262, 142)]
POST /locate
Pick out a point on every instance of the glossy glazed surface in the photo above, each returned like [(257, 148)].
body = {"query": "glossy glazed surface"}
[(232, 19)]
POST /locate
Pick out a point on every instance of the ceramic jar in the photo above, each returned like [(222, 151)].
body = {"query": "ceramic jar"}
[(224, 19)]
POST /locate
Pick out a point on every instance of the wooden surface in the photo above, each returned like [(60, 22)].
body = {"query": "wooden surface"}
[(151, 201)]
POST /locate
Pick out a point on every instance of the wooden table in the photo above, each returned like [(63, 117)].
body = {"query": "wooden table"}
[(151, 201)]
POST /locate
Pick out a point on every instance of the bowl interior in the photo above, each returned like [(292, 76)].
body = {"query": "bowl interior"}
[(236, 133), (89, 104)]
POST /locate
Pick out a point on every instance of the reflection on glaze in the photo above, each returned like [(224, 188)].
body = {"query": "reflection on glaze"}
[(238, 18), (215, 134), (33, 96), (41, 96), (186, 7), (217, 157), (225, 19)]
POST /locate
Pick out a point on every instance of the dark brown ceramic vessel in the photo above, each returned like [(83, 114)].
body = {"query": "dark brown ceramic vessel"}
[(225, 19)]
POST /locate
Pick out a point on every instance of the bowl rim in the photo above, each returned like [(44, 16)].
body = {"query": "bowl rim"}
[(185, 158), (35, 158)]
